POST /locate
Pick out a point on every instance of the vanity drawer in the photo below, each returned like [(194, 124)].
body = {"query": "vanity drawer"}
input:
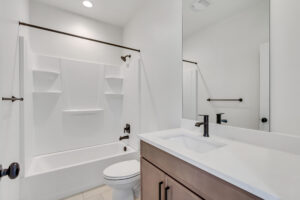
[(197, 180)]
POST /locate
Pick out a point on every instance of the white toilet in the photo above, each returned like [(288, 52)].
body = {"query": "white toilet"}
[(124, 179)]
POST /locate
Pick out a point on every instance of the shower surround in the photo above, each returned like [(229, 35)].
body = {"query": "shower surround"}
[(72, 121)]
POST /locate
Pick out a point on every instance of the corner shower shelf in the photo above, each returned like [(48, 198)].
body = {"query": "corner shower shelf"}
[(83, 111), (47, 73), (54, 92), (114, 78), (114, 94)]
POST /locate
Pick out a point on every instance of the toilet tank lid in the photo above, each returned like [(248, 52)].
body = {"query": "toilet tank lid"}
[(121, 170)]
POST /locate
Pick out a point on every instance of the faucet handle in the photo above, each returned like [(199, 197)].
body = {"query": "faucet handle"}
[(220, 120), (127, 128), (224, 120)]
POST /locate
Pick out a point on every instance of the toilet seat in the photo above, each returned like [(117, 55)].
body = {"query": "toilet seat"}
[(122, 170)]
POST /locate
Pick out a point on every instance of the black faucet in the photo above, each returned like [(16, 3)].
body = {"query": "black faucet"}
[(219, 118), (206, 125), (124, 137)]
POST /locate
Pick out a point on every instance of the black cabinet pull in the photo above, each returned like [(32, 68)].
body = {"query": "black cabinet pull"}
[(166, 192), (159, 190)]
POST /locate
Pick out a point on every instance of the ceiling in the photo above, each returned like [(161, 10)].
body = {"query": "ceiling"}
[(219, 9), (119, 12), (116, 12)]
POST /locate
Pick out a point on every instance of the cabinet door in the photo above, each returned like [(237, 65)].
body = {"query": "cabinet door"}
[(176, 191), (153, 181)]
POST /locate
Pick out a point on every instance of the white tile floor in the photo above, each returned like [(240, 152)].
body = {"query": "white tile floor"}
[(99, 193)]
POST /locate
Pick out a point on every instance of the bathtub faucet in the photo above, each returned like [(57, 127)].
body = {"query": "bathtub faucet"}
[(124, 137)]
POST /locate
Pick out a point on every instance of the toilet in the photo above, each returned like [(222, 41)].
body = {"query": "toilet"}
[(124, 179)]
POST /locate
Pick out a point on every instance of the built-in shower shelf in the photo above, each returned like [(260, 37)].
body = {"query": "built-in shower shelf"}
[(49, 74), (83, 111), (114, 94), (114, 78), (53, 92)]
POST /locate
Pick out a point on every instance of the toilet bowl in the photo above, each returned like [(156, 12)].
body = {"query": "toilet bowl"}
[(124, 179)]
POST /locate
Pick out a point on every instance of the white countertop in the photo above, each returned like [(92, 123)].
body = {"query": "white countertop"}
[(267, 173)]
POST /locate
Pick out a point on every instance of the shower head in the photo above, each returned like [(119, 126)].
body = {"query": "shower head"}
[(200, 5), (124, 57)]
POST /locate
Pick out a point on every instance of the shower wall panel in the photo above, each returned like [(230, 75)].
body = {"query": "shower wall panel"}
[(68, 102)]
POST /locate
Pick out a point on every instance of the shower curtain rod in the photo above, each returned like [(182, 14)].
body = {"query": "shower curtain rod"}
[(77, 36), (188, 61)]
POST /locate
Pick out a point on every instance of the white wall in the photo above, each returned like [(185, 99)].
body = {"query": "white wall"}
[(11, 11), (189, 92), (228, 57), (44, 42), (157, 30), (285, 66)]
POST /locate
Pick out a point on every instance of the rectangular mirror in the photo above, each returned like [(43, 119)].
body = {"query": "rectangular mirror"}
[(226, 62)]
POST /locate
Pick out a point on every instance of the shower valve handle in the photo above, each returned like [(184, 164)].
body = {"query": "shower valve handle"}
[(127, 128)]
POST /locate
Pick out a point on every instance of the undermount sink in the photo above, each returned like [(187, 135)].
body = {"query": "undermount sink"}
[(192, 143)]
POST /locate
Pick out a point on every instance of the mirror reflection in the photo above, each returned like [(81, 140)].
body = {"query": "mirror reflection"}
[(226, 62)]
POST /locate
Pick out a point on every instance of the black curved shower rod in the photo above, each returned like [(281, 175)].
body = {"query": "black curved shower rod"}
[(77, 36), (86, 38), (188, 61)]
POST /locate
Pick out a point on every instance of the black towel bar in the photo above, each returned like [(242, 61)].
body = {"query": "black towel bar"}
[(240, 99)]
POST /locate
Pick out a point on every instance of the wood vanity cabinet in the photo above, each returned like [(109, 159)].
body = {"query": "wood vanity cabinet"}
[(156, 185), (165, 177)]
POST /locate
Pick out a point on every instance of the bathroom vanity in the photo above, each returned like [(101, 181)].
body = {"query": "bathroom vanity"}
[(181, 164), (164, 175)]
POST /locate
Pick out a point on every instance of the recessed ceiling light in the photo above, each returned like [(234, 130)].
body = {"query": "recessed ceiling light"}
[(199, 5), (87, 4)]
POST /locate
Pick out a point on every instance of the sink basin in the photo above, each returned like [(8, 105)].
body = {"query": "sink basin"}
[(192, 143)]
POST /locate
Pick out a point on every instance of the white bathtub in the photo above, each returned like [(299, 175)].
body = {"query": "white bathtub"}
[(58, 175)]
